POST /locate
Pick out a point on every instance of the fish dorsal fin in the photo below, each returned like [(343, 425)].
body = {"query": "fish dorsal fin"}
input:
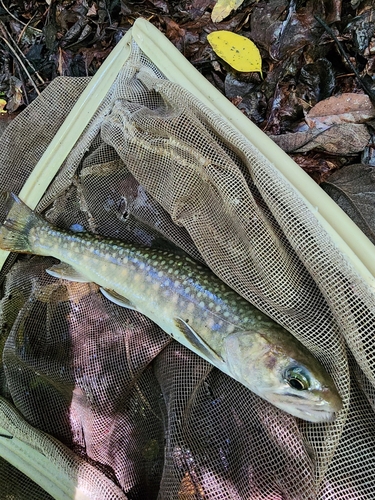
[(195, 340), (118, 299), (67, 272)]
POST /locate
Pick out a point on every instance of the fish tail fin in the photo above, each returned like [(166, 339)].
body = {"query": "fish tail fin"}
[(14, 233)]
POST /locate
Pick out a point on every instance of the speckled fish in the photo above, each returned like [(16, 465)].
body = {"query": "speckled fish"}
[(189, 303)]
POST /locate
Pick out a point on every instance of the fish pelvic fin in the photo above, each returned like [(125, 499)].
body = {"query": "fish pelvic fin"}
[(118, 299), (195, 340), (14, 233)]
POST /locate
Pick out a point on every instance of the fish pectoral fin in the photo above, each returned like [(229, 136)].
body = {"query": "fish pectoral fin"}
[(66, 272), (117, 299), (195, 340)]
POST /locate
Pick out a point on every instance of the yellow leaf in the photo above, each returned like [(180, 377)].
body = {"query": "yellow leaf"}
[(3, 103), (238, 51), (223, 8)]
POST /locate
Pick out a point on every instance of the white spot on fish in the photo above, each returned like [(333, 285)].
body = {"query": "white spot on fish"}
[(176, 284), (190, 307), (226, 314), (201, 304), (187, 290), (167, 282), (160, 274), (217, 308), (137, 278), (210, 323), (142, 265), (230, 328)]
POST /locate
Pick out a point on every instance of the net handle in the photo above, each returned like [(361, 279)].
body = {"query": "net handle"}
[(47, 462)]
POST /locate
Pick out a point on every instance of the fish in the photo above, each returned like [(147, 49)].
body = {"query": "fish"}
[(190, 303)]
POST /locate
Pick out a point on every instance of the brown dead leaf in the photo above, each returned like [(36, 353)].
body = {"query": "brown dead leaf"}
[(93, 10), (317, 165), (15, 95), (174, 33), (5, 119), (92, 53), (283, 27), (161, 5), (353, 189), (341, 139), (362, 29), (345, 108), (333, 11)]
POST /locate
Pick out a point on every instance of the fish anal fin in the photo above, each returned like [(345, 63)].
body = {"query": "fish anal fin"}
[(118, 299), (67, 272), (195, 340)]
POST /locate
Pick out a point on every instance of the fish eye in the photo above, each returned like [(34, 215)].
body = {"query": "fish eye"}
[(297, 379)]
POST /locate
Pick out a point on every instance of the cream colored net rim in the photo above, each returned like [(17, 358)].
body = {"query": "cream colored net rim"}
[(343, 231), (48, 462)]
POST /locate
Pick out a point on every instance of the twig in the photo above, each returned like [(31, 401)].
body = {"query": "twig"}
[(361, 82), (18, 41), (18, 20), (7, 35), (21, 63), (25, 26)]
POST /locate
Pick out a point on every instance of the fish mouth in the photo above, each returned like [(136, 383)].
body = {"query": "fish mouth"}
[(317, 416), (310, 413), (305, 409)]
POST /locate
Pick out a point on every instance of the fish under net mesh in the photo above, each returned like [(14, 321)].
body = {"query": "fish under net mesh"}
[(137, 414)]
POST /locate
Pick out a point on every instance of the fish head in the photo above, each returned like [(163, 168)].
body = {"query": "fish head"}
[(277, 367)]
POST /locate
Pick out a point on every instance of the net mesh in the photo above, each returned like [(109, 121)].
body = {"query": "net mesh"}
[(16, 486), (156, 166)]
